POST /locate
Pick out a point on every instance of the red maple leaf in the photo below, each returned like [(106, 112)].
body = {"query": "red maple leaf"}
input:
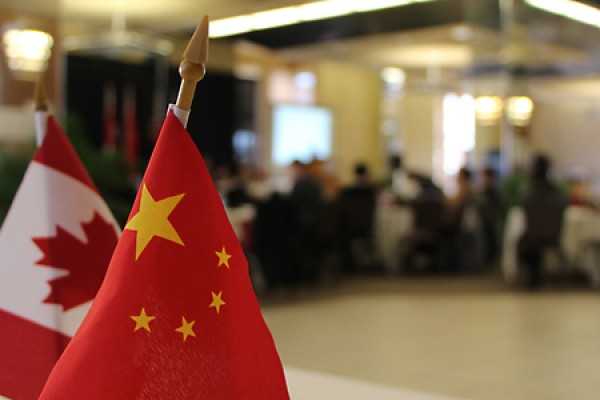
[(86, 262)]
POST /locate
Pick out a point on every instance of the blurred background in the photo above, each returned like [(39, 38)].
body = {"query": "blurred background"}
[(415, 182)]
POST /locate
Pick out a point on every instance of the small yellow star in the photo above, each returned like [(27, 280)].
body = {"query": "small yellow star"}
[(152, 220), (142, 320), (223, 257), (186, 329), (217, 301)]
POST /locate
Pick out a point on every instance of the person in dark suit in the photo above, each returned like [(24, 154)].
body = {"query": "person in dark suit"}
[(464, 244), (307, 201), (274, 227), (425, 241), (492, 207), (544, 206), (356, 215)]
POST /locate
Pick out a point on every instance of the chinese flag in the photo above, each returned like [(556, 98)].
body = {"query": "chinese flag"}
[(55, 245), (176, 317)]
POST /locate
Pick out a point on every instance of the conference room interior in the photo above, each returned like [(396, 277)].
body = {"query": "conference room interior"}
[(434, 85)]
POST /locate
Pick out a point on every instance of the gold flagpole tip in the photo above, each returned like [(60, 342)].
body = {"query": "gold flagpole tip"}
[(192, 68), (39, 95), (197, 49)]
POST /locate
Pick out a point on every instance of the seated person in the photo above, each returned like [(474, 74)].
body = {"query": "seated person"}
[(463, 241), (544, 207), (356, 214)]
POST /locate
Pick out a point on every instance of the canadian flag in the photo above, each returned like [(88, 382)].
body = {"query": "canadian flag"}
[(55, 245)]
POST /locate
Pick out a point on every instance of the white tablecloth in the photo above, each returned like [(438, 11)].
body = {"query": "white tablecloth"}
[(238, 216), (392, 223), (513, 230), (581, 225), (581, 228), (581, 241)]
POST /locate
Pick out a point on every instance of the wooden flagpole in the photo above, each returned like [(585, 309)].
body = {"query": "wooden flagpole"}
[(39, 95), (192, 68), (40, 100)]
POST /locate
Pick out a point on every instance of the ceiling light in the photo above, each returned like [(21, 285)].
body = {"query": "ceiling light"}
[(488, 109), (324, 9), (569, 9), (370, 5), (27, 52), (461, 33), (519, 110), (305, 80), (393, 76), (127, 45), (230, 26), (295, 14), (274, 18)]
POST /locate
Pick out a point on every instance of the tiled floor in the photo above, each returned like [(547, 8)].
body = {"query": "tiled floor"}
[(470, 337)]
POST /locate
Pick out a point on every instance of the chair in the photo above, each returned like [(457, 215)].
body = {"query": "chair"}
[(356, 216), (423, 247), (544, 219), (471, 239), (272, 241)]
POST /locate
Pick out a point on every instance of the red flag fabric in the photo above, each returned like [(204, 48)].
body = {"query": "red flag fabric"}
[(110, 128), (132, 132), (176, 317), (55, 245)]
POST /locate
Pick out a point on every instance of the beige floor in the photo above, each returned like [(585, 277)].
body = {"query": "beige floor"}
[(471, 338)]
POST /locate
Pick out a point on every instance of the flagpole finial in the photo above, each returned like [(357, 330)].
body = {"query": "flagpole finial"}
[(192, 67), (39, 95)]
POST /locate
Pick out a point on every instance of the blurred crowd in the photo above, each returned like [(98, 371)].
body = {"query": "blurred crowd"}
[(317, 228)]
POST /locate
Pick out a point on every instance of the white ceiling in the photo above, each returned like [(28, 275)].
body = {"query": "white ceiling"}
[(156, 15), (452, 47)]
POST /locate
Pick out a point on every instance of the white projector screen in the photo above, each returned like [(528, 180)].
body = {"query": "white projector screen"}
[(301, 133)]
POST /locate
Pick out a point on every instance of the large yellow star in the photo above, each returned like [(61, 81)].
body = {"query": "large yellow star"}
[(186, 328), (217, 301), (223, 257), (142, 320), (152, 220)]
